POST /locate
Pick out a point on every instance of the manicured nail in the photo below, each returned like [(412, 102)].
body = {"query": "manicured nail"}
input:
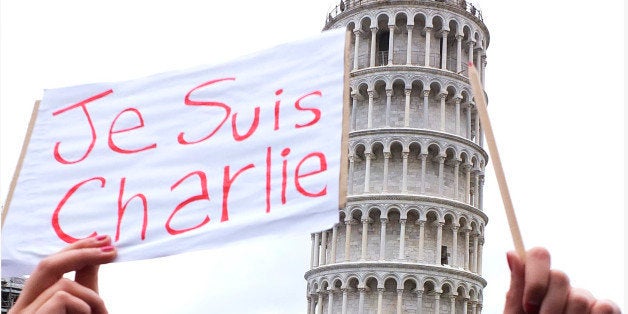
[(470, 64), (101, 237), (107, 248)]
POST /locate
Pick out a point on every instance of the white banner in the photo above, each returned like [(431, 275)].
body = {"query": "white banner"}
[(184, 161)]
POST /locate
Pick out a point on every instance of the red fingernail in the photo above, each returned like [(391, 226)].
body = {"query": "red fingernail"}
[(101, 237), (107, 248), (470, 63)]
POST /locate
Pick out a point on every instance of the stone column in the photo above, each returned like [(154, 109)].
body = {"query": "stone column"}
[(391, 46), (481, 136), (480, 249), (477, 129), (404, 176), (439, 241), (316, 248), (406, 109), (348, 224), (467, 189), (389, 93), (373, 44), (419, 301), (437, 301), (469, 136), (471, 43), (426, 112), (354, 106), (478, 61), (443, 121), (312, 304), (309, 305), (386, 160), (334, 244), (365, 231), (323, 253), (344, 301), (409, 48), (402, 239), (459, 54), (361, 301), (399, 300), (369, 119), (466, 248), (330, 301), (483, 64), (443, 62), (356, 49), (454, 253), (367, 172), (474, 260), (382, 239), (421, 224), (423, 174), (428, 39), (456, 178), (481, 192), (312, 251), (465, 301), (473, 307), (380, 299), (476, 187), (351, 171), (319, 303), (457, 103), (441, 170), (350, 176), (452, 298)]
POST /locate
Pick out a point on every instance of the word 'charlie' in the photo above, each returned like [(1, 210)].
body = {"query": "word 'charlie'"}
[(314, 162)]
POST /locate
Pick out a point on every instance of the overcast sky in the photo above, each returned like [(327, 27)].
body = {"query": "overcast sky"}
[(555, 81)]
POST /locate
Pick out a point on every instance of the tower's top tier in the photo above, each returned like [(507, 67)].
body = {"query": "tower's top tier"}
[(346, 8)]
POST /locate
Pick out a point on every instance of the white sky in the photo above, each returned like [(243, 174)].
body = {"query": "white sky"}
[(555, 80)]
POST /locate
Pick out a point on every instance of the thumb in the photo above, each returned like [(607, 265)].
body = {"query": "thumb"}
[(514, 297)]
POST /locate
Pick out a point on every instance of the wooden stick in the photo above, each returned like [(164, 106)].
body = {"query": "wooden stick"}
[(18, 168), (480, 102), (344, 139)]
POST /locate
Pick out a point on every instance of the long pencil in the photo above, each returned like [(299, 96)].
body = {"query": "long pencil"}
[(480, 102), (344, 140)]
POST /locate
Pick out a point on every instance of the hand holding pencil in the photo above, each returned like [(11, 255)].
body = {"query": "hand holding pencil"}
[(534, 286)]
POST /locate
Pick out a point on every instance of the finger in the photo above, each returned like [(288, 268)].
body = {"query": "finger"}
[(88, 277), (95, 241), (537, 276), (67, 294), (605, 307), (515, 293), (51, 268), (63, 302), (579, 301), (557, 293)]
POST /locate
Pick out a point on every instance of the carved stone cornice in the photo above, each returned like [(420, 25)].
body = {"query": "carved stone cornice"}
[(408, 69), (383, 268), (430, 201)]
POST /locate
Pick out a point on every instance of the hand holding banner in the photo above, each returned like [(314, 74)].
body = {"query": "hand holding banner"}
[(184, 161)]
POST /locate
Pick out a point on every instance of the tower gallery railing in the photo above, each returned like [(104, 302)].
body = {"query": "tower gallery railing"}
[(345, 5)]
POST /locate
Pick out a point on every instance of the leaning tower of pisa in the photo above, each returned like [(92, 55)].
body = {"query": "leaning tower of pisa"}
[(410, 237)]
